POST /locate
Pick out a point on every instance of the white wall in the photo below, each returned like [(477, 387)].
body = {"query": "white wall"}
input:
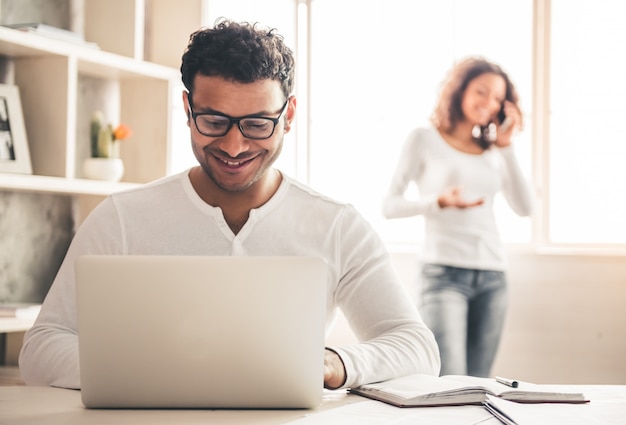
[(566, 321)]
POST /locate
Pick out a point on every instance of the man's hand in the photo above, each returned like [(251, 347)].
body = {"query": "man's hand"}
[(452, 198), (334, 370)]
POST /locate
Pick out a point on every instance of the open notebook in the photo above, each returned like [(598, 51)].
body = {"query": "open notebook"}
[(201, 331), (459, 390)]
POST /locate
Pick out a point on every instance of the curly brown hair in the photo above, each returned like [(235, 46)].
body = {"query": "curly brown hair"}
[(241, 52)]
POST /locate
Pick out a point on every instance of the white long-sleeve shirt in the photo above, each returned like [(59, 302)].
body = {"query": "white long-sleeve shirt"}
[(168, 217), (468, 237)]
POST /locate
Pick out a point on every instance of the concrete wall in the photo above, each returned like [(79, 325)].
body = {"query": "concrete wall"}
[(35, 231)]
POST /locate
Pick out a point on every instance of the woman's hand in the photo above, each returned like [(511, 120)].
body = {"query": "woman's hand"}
[(452, 198), (512, 121)]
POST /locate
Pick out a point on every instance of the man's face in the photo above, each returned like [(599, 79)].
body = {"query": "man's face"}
[(233, 161)]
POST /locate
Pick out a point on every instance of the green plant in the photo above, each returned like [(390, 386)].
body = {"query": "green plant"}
[(104, 138)]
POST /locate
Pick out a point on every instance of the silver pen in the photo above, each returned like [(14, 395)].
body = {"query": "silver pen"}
[(508, 382)]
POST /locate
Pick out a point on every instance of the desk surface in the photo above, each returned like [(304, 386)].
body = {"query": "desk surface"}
[(20, 405), (12, 324), (44, 405)]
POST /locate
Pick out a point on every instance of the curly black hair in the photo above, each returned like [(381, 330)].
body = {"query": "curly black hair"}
[(240, 52)]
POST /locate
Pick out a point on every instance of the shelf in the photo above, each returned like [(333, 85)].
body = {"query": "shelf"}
[(60, 185), (91, 61), (62, 82)]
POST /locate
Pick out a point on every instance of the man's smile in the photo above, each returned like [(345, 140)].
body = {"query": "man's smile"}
[(233, 162)]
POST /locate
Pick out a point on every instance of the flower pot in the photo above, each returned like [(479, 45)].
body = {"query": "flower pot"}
[(109, 169)]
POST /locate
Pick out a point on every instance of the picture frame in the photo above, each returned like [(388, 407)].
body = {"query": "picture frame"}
[(14, 152)]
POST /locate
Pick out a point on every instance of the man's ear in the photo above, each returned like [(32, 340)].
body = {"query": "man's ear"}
[(290, 113), (186, 105)]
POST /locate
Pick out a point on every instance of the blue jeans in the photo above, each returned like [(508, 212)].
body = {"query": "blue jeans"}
[(465, 309)]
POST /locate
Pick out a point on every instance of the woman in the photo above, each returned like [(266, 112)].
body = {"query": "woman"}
[(459, 164)]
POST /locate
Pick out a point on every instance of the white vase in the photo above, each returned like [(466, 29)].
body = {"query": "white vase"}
[(109, 169)]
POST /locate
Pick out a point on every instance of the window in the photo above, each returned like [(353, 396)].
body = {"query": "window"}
[(375, 75), (369, 71), (587, 136)]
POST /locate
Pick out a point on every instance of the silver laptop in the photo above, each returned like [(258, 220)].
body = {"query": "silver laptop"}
[(201, 331)]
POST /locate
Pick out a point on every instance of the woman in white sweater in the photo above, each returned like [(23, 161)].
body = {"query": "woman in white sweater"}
[(459, 164)]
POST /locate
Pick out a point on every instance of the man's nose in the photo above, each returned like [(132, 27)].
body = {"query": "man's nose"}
[(234, 142)]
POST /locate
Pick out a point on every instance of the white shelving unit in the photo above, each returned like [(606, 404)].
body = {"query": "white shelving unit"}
[(47, 72)]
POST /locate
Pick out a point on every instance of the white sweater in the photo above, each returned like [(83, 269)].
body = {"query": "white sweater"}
[(168, 217), (457, 237)]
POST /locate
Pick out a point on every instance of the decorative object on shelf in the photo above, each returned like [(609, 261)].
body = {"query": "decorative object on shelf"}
[(14, 153), (52, 32), (105, 163), (109, 169)]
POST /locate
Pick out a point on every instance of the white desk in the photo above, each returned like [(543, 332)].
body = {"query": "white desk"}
[(21, 405), (11, 324), (12, 333)]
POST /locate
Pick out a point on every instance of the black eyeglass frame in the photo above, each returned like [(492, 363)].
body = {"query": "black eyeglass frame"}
[(235, 120)]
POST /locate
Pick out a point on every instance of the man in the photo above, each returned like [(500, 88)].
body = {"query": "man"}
[(239, 105)]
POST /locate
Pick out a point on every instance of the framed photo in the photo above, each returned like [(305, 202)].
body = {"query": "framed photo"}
[(14, 153)]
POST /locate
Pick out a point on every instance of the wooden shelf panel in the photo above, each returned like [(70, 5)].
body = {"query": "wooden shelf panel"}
[(91, 61), (60, 185)]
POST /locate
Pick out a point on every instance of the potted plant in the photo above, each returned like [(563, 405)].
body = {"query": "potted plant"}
[(105, 162)]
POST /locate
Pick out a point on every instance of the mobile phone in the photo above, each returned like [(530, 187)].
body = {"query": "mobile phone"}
[(504, 121), (501, 115), (506, 124)]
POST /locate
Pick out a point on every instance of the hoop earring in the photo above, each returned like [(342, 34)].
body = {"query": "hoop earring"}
[(477, 132)]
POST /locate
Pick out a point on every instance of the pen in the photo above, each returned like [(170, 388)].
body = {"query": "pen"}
[(508, 382)]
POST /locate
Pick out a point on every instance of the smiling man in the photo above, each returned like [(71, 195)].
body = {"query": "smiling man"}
[(239, 102), (236, 154)]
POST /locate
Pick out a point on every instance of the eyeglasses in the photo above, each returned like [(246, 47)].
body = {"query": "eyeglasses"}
[(215, 124)]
